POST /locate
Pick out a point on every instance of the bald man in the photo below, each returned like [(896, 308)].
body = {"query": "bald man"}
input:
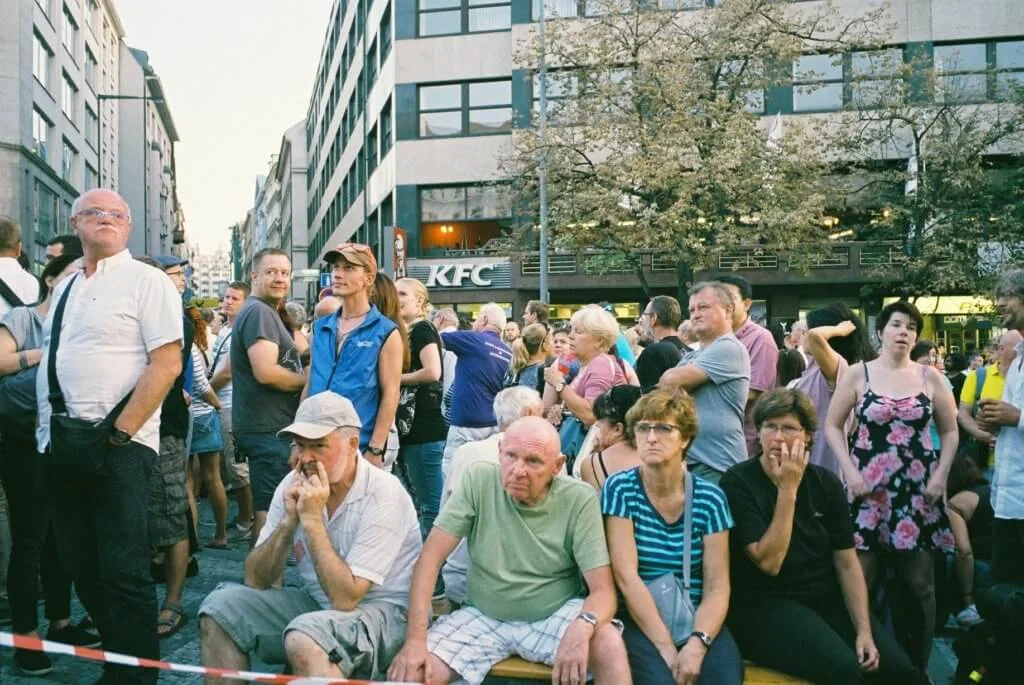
[(531, 535)]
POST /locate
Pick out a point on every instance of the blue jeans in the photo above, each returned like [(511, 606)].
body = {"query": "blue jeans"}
[(422, 466), (101, 521), (268, 464)]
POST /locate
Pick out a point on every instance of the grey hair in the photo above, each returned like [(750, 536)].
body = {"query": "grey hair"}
[(1011, 284), (495, 315), (76, 206), (721, 290), (296, 312), (512, 404)]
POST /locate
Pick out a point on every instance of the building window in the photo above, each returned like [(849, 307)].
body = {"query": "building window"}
[(876, 78), (41, 56), (40, 133), (456, 109), (371, 64), (371, 151), (90, 178), (560, 88), (68, 161), (90, 68), (385, 128), (818, 83), (44, 5), (69, 33), (961, 73), (92, 123), (448, 17), (45, 212), (91, 12), (384, 33), (463, 217), (1009, 67), (69, 94)]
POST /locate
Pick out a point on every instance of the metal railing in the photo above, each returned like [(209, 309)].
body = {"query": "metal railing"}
[(753, 259)]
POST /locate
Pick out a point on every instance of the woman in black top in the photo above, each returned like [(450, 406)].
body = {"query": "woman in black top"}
[(799, 599)]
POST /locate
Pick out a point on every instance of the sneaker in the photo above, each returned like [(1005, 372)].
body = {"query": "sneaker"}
[(239, 531), (73, 635), (969, 617), (32, 663)]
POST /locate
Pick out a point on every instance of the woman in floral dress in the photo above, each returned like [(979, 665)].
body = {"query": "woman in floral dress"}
[(895, 477)]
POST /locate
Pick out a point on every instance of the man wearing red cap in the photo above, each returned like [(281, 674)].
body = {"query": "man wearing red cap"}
[(357, 351)]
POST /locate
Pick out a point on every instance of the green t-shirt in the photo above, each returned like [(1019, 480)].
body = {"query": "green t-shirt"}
[(526, 561)]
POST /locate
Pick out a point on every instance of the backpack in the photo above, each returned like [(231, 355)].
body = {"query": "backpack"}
[(18, 401)]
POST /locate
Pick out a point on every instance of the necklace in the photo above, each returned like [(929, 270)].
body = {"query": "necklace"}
[(354, 316)]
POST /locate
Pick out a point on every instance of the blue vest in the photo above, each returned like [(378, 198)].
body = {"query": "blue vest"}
[(353, 374)]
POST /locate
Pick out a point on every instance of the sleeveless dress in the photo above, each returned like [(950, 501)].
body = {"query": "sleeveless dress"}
[(895, 455)]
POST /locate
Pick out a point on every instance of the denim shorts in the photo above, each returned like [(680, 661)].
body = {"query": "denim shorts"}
[(268, 464)]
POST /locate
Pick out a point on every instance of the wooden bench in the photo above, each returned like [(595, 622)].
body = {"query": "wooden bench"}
[(515, 668)]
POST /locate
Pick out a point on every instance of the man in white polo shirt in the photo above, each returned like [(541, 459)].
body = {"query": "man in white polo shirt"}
[(353, 530), (121, 333), (18, 287)]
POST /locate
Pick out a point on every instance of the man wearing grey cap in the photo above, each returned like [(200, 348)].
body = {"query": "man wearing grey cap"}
[(354, 533)]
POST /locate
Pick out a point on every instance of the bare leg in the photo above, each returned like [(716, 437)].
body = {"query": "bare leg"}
[(210, 464), (244, 498), (190, 490), (307, 657), (608, 660), (218, 650), (442, 674), (175, 565)]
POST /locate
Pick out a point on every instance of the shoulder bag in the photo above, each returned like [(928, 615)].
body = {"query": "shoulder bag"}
[(77, 443), (671, 595)]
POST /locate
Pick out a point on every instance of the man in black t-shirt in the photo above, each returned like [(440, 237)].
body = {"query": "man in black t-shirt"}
[(658, 324)]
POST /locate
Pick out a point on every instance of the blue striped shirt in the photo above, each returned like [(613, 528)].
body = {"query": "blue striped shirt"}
[(659, 544)]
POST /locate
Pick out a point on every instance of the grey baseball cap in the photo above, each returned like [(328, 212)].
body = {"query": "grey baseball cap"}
[(321, 414)]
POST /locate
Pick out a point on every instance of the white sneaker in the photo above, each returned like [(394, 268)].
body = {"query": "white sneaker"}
[(969, 617)]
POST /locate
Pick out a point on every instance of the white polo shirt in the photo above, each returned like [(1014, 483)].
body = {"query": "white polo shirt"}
[(21, 282), (374, 530), (1008, 484), (112, 321)]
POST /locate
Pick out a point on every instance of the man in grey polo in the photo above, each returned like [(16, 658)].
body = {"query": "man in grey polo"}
[(718, 377), (354, 533)]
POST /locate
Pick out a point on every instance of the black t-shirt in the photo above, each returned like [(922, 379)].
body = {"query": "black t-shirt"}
[(428, 424), (821, 524), (656, 359), (174, 411), (979, 528)]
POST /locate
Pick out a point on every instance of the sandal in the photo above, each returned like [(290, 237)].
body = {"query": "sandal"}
[(175, 623), (214, 544)]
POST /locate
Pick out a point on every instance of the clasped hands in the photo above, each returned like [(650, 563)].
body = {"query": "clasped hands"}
[(306, 497)]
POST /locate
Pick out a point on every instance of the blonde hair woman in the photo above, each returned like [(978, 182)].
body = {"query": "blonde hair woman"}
[(594, 331), (422, 445), (529, 354)]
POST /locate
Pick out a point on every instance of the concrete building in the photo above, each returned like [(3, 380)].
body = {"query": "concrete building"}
[(211, 271), (146, 158), (56, 58)]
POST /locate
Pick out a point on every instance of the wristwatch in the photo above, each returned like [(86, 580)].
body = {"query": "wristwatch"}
[(375, 451), (560, 387), (119, 438), (703, 637), (589, 617)]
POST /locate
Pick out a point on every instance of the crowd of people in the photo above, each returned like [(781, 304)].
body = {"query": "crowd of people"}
[(651, 505)]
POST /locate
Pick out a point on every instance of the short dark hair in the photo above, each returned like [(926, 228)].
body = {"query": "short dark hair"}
[(54, 267), (783, 401), (240, 285), (855, 347), (10, 234), (899, 307), (957, 361), (922, 349), (668, 311), (539, 309), (268, 252), (614, 404), (71, 244), (742, 284)]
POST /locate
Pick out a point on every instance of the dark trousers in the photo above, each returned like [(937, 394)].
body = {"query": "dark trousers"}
[(101, 519), (33, 543), (815, 642), (1007, 550), (722, 663)]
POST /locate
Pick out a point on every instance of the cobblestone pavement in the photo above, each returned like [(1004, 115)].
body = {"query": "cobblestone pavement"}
[(217, 566)]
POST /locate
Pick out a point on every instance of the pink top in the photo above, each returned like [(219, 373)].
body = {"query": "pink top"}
[(601, 374), (814, 384), (764, 358)]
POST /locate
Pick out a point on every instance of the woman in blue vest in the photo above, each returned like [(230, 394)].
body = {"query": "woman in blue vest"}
[(356, 352)]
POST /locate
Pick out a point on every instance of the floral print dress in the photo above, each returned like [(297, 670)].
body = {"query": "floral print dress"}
[(895, 455)]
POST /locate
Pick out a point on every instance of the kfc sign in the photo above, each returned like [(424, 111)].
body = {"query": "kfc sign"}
[(454, 275)]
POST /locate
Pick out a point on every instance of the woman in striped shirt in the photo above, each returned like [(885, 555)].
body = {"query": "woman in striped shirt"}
[(644, 510)]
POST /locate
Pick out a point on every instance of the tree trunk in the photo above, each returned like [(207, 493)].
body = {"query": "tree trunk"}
[(684, 274)]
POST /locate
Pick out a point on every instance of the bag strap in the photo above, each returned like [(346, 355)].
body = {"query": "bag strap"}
[(56, 394), (221, 344), (9, 296), (979, 383), (687, 529)]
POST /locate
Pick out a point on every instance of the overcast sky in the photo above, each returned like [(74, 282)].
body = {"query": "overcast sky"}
[(237, 73)]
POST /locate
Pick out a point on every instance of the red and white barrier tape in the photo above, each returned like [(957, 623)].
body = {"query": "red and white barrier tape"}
[(37, 645)]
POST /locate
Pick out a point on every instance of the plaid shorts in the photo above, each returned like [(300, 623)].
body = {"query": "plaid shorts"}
[(168, 499), (471, 643)]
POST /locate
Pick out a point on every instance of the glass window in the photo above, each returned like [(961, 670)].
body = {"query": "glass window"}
[(876, 78), (69, 94), (475, 108), (433, 124), (818, 83), (442, 203), (490, 93), (91, 126), (441, 97), (1009, 67), (68, 162), (90, 178), (40, 133), (90, 67), (440, 23), (961, 73), (385, 128), (447, 17), (488, 202), (41, 60), (371, 150), (491, 120), (69, 33), (489, 18), (384, 32)]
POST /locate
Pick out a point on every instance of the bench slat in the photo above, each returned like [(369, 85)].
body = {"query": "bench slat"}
[(515, 667)]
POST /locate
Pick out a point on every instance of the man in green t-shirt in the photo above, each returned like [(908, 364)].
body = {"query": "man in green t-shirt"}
[(531, 534)]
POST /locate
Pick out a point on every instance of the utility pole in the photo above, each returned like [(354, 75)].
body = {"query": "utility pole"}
[(542, 164)]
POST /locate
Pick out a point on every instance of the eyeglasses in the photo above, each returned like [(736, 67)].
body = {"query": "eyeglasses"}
[(661, 430), (787, 431), (93, 213)]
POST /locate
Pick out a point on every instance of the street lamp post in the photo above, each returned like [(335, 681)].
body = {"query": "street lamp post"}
[(542, 165)]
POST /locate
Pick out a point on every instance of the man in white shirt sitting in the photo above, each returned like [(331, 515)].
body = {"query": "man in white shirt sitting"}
[(353, 530)]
